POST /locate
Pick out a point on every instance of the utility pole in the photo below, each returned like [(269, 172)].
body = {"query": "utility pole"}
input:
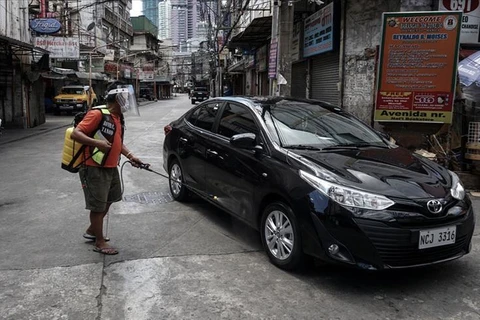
[(275, 38), (219, 66)]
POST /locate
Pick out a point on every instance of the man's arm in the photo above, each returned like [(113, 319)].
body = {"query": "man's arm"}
[(130, 156), (79, 136)]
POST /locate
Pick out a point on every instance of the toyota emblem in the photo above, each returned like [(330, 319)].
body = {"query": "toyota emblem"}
[(434, 206)]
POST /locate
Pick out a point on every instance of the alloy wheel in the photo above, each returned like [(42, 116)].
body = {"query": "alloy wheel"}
[(175, 179), (279, 235)]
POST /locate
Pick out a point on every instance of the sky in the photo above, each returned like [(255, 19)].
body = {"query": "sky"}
[(136, 8)]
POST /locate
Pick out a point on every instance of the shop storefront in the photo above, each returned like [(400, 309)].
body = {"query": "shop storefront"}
[(321, 48)]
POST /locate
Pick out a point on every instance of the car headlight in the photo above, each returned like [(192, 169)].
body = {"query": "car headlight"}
[(346, 196), (457, 191)]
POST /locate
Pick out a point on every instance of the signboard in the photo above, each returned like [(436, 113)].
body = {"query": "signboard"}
[(417, 66), (272, 59), (59, 47), (318, 34), (470, 20), (469, 69), (45, 25), (109, 55), (98, 65)]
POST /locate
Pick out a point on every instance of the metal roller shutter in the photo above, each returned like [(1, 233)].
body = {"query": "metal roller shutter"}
[(299, 80), (324, 78)]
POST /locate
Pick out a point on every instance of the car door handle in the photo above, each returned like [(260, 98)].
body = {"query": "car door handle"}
[(212, 153), (183, 140)]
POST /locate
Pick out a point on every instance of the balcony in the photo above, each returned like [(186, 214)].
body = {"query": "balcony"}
[(110, 17), (118, 22)]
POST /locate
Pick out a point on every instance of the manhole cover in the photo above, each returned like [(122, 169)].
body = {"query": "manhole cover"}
[(153, 197)]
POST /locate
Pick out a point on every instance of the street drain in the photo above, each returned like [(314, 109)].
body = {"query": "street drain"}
[(149, 197)]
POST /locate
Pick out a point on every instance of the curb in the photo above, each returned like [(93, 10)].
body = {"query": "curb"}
[(40, 132), (33, 134)]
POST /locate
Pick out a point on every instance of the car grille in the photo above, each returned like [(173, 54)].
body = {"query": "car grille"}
[(398, 247), (66, 100)]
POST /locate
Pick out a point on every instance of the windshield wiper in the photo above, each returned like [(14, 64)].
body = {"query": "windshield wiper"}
[(355, 146), (301, 147)]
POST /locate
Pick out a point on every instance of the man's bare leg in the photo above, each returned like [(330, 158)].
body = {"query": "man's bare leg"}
[(90, 228), (96, 224)]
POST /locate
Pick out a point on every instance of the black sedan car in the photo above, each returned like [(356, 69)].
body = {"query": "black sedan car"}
[(316, 181)]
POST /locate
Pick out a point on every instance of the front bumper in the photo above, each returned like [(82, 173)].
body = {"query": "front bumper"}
[(373, 245), (63, 106)]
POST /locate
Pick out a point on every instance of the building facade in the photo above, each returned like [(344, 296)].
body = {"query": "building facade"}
[(21, 63), (150, 10), (164, 19)]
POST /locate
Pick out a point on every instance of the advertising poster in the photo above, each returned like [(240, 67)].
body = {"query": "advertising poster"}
[(417, 67), (59, 47), (318, 36), (272, 59), (470, 19)]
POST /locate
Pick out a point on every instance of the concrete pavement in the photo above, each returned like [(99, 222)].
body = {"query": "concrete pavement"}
[(180, 261)]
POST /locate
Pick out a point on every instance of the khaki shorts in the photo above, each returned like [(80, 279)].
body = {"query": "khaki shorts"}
[(100, 187)]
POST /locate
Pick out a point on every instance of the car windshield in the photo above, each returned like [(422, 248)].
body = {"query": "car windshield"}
[(200, 89), (72, 90), (309, 126)]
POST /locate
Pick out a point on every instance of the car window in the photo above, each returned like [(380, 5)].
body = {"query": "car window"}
[(236, 119), (192, 117), (204, 116), (299, 123), (72, 91)]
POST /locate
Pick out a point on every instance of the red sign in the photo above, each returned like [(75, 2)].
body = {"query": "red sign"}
[(418, 63)]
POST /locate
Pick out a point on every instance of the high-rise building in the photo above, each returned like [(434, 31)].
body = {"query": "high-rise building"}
[(150, 10), (192, 19), (179, 22), (164, 19)]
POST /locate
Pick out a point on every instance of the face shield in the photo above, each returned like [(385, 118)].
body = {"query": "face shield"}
[(125, 97)]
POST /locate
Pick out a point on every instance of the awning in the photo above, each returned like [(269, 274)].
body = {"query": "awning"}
[(255, 35), (54, 76), (63, 71), (95, 75), (20, 46), (238, 67)]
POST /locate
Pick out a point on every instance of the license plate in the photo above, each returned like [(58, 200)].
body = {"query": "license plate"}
[(437, 237)]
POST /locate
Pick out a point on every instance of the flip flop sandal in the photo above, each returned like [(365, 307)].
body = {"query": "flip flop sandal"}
[(107, 251), (92, 237)]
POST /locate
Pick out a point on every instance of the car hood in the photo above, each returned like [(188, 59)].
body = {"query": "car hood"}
[(69, 96), (392, 172)]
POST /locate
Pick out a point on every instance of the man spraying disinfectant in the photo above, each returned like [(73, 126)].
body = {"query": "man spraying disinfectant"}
[(101, 131)]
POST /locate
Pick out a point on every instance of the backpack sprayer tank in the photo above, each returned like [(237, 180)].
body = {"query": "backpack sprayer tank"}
[(72, 155)]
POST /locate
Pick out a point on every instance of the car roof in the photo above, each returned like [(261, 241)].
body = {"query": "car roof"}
[(272, 100)]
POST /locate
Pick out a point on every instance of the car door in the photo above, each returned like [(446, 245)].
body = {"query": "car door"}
[(234, 174), (192, 137)]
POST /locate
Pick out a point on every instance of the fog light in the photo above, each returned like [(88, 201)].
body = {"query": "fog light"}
[(333, 249)]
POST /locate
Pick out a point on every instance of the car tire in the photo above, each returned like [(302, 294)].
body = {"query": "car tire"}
[(281, 236), (178, 190), (193, 101)]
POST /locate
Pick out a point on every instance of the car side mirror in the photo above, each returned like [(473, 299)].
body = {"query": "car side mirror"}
[(243, 140)]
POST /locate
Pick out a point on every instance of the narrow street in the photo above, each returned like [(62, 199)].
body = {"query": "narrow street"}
[(180, 261)]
